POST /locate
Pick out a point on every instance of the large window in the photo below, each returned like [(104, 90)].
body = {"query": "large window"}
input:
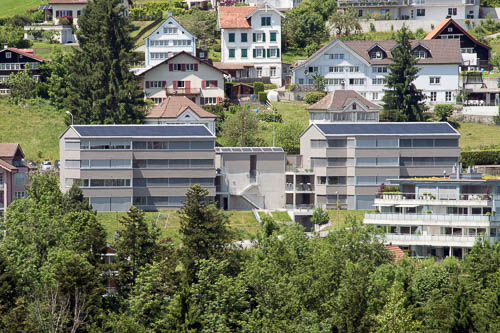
[(109, 182), (104, 145), (265, 21), (420, 12), (172, 182), (19, 178), (272, 36), (244, 37), (173, 145), (231, 37)]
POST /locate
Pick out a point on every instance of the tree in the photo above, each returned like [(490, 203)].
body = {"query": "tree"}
[(241, 128), (402, 95), (288, 136), (8, 290), (443, 111), (320, 216), (204, 231), (21, 85), (101, 87), (303, 26), (269, 225), (55, 74), (136, 247), (319, 81), (345, 22)]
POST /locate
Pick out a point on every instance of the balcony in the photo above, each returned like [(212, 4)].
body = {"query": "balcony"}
[(435, 240), (183, 91), (304, 187), (430, 219), (368, 3), (464, 199)]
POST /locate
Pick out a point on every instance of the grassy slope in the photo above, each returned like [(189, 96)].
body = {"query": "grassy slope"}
[(343, 216), (44, 49), (36, 128), (13, 7), (476, 136)]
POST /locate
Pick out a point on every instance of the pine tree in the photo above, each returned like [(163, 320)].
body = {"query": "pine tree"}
[(402, 95), (101, 89)]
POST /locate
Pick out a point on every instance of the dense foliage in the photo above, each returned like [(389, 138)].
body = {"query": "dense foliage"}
[(313, 97), (480, 157)]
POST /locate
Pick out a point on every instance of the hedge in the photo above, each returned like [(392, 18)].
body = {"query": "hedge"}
[(268, 117), (480, 157), (258, 87), (269, 86), (313, 97), (262, 96)]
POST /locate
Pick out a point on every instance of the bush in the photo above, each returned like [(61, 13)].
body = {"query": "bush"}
[(262, 96), (257, 88), (268, 117), (313, 97), (480, 157), (443, 111), (372, 27), (268, 86)]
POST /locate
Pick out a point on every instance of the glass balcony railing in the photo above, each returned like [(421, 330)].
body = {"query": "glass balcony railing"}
[(416, 218), (431, 196)]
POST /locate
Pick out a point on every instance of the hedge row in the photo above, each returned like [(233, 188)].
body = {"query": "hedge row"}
[(480, 157)]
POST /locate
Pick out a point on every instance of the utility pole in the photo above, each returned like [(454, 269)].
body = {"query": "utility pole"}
[(243, 129)]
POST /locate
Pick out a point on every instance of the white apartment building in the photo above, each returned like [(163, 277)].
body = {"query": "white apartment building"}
[(438, 216), (278, 4), (74, 9), (363, 65), (167, 40), (183, 75), (430, 10), (251, 42)]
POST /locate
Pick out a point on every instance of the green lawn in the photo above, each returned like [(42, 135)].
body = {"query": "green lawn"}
[(343, 215), (138, 26), (281, 217), (13, 7), (44, 49), (292, 111), (140, 41), (36, 127), (478, 136), (243, 223)]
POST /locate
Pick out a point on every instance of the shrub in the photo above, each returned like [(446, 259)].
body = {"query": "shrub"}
[(64, 21), (268, 86), (268, 117), (443, 111), (258, 87), (262, 96), (480, 157), (313, 97)]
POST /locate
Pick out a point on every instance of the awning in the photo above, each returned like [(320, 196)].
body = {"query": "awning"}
[(44, 7)]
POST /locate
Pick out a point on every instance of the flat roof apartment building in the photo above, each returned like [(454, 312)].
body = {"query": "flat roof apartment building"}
[(148, 166), (349, 161)]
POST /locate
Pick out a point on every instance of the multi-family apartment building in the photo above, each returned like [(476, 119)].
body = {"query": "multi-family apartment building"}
[(13, 174), (251, 42), (148, 166), (347, 162), (250, 177), (183, 75), (168, 39), (343, 105), (413, 9), (281, 5), (362, 65), (441, 216), (13, 60)]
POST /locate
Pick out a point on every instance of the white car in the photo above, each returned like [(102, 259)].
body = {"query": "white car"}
[(46, 166)]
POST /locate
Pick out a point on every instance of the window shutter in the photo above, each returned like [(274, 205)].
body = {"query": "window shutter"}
[(183, 67), (263, 36), (187, 84), (202, 84), (254, 37), (268, 52), (218, 100), (254, 53), (195, 67), (170, 67), (278, 53), (262, 21), (175, 84), (147, 84), (163, 84), (202, 100)]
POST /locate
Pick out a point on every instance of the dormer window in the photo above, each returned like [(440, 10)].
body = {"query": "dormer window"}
[(376, 55), (420, 54), (354, 106)]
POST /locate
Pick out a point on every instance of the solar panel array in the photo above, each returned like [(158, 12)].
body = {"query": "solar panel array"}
[(386, 128), (249, 150), (142, 131)]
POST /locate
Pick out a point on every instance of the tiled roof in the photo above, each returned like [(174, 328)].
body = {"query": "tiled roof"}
[(7, 166), (338, 99), (416, 128), (174, 106), (232, 65), (434, 34), (204, 62), (396, 251), (25, 53), (55, 2), (235, 17), (8, 149)]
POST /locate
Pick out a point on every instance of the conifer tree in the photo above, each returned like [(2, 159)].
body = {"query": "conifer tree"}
[(402, 95), (101, 88)]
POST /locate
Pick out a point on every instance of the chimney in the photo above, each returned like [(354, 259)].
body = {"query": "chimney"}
[(6, 46), (169, 13)]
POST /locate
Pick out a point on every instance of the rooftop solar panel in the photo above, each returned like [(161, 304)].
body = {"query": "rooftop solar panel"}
[(142, 131), (278, 149), (249, 149), (386, 128), (267, 149)]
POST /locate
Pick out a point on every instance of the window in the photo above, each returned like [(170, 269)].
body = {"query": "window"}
[(450, 29), (272, 71), (244, 53), (433, 96), (379, 69), (19, 178), (313, 69), (259, 37), (155, 84), (258, 53), (467, 50), (334, 82), (448, 96), (259, 71), (420, 54), (356, 82), (421, 12), (1, 179), (301, 81), (180, 84), (271, 53), (8, 55), (182, 42), (210, 100), (338, 56), (231, 53), (378, 81), (265, 21), (170, 31), (231, 37), (376, 55), (435, 80), (354, 106), (375, 96), (273, 36), (452, 12), (20, 195), (360, 12), (244, 37)]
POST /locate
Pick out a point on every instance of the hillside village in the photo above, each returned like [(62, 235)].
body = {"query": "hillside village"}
[(191, 166)]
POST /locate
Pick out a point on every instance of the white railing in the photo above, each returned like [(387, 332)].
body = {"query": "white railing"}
[(438, 238), (427, 217)]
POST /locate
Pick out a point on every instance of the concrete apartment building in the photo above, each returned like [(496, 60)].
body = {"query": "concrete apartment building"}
[(439, 217), (250, 177), (148, 166), (362, 65), (349, 161), (413, 9), (13, 174)]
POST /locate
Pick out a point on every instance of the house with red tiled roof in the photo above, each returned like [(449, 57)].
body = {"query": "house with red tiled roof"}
[(13, 174), (475, 54), (251, 43), (180, 110), (343, 105), (13, 60)]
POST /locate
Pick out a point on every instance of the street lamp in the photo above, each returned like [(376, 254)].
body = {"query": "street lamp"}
[(72, 122)]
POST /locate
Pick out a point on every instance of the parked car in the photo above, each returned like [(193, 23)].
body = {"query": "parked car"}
[(58, 164), (46, 166)]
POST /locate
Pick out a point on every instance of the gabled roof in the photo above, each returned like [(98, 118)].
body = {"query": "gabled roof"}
[(170, 17), (10, 149), (24, 53), (204, 62), (141, 131), (339, 99), (434, 34), (409, 128), (174, 106), (230, 17), (396, 251), (7, 166)]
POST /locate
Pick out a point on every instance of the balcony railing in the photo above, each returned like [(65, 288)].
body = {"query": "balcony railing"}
[(437, 238), (300, 207), (419, 218), (304, 187), (430, 196), (183, 91), (368, 3)]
